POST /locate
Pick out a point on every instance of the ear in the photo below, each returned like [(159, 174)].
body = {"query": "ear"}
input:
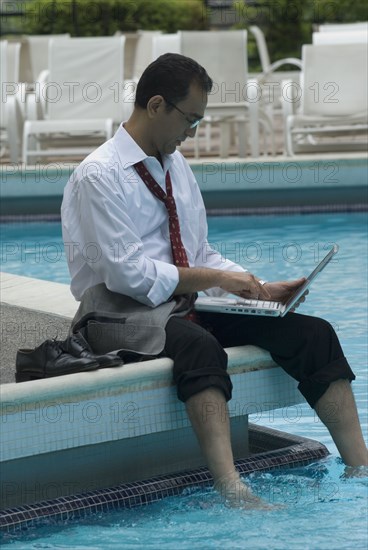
[(155, 105)]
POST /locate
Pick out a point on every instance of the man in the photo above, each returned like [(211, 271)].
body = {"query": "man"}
[(141, 255)]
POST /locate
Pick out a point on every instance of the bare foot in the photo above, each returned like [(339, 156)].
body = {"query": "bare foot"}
[(237, 494), (356, 471)]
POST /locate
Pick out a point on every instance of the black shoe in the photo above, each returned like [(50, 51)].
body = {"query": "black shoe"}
[(78, 346), (48, 360)]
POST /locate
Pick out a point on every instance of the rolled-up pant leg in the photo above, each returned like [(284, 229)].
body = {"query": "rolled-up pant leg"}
[(199, 359), (306, 347)]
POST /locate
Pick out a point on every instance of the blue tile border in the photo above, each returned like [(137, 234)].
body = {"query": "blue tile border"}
[(288, 209), (256, 210), (24, 218), (273, 450)]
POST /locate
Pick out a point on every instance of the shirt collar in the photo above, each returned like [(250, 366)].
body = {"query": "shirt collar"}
[(127, 148)]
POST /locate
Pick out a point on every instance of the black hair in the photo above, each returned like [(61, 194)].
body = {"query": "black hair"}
[(170, 76)]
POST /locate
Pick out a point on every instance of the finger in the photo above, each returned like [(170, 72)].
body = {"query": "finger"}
[(300, 301), (261, 292), (264, 293), (297, 283), (249, 293), (242, 293), (253, 290), (303, 296)]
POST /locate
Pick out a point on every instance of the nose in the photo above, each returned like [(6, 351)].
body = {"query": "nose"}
[(191, 132)]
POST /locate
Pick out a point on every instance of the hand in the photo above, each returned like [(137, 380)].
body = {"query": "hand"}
[(281, 291), (244, 284)]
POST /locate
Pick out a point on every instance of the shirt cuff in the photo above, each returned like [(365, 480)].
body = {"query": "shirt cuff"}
[(166, 281)]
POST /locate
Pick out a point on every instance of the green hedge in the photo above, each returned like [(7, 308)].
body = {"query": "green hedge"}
[(104, 18)]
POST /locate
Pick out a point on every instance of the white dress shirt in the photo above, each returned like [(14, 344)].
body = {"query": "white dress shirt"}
[(116, 232)]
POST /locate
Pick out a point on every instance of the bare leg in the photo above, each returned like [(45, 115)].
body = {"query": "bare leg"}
[(337, 410), (209, 416)]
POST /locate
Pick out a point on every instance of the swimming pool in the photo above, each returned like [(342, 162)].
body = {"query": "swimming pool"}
[(315, 496), (271, 245)]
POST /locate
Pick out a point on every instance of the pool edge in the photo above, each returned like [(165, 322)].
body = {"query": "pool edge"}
[(297, 452)]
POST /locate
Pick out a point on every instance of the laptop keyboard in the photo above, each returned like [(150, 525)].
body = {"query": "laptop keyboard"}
[(258, 303)]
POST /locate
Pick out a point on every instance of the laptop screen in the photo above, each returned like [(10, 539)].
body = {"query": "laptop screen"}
[(295, 297)]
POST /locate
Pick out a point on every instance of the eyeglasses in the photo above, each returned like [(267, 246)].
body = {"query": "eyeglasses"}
[(192, 123)]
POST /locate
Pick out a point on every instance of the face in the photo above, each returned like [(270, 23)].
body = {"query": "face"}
[(174, 126)]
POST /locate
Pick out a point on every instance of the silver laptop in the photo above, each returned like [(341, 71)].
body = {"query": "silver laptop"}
[(234, 304)]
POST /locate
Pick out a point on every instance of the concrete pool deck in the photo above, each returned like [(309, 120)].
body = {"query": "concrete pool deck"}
[(31, 311)]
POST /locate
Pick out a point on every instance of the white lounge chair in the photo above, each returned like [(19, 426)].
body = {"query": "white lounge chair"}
[(3, 80), (333, 101), (340, 37), (131, 40), (84, 97), (165, 43), (233, 99), (33, 71), (271, 77), (35, 55), (11, 112), (342, 27), (267, 67), (142, 57), (143, 52)]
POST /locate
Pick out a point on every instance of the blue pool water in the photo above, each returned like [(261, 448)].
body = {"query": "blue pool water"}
[(323, 509)]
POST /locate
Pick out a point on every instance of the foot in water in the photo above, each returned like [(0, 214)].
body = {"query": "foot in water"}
[(237, 494), (355, 471)]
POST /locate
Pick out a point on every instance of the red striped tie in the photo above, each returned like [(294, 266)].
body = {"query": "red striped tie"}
[(179, 254), (178, 251)]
